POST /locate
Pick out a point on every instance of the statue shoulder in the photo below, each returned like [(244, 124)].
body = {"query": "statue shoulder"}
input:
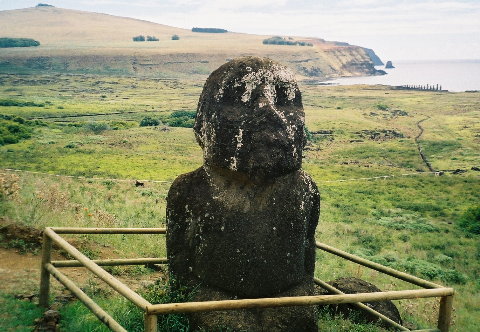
[(187, 184)]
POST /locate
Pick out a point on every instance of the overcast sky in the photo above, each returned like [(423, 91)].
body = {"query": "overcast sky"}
[(395, 29)]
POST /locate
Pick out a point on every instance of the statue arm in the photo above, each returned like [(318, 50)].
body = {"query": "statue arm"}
[(177, 243), (311, 228)]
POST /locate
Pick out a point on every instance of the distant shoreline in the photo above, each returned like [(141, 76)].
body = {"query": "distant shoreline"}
[(451, 75)]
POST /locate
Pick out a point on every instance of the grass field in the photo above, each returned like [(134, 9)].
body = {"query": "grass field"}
[(407, 220)]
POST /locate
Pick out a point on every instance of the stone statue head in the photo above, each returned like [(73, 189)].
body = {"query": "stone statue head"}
[(250, 118)]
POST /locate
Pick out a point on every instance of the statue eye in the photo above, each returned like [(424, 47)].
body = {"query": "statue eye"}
[(282, 97)]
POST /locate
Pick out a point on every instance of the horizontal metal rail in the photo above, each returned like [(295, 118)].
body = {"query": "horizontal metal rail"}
[(97, 270), (113, 262), (79, 230), (151, 310), (378, 267), (360, 305), (104, 317), (295, 301)]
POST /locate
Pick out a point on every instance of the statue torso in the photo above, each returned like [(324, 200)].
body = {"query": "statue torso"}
[(242, 237)]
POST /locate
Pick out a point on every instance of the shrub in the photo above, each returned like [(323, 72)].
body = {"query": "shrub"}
[(181, 122), (182, 118), (469, 222), (181, 114), (13, 131), (12, 102), (308, 134), (96, 127), (417, 267), (412, 222), (369, 242), (18, 42), (117, 124), (152, 38), (277, 40), (175, 37), (171, 292), (148, 122), (138, 38), (382, 107), (209, 30)]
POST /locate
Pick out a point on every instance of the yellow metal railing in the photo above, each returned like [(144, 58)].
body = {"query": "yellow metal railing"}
[(49, 267)]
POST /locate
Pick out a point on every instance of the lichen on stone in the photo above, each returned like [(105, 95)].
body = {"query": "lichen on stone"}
[(243, 224)]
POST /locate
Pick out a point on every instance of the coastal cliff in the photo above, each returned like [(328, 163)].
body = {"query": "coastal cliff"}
[(75, 41)]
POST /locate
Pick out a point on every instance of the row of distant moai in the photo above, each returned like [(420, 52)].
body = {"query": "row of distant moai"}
[(243, 224), (427, 87)]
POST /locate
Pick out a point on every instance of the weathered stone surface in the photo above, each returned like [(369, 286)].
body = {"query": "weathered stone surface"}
[(291, 319), (243, 224), (250, 118), (354, 285)]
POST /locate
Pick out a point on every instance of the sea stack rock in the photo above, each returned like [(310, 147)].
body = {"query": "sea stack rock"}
[(243, 224), (389, 65)]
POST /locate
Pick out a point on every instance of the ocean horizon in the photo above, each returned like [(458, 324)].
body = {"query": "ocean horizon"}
[(451, 75)]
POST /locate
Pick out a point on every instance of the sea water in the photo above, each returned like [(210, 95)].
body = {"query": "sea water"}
[(454, 75)]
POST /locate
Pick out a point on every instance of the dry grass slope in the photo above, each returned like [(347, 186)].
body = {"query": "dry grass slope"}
[(78, 41)]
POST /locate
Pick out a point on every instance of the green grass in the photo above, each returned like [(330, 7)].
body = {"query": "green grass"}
[(76, 317), (340, 323), (17, 315), (409, 222)]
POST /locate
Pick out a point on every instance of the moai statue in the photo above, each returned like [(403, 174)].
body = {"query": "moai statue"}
[(243, 224)]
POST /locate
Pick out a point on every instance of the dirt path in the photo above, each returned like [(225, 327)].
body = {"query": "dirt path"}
[(20, 268), (419, 147), (87, 115), (20, 273)]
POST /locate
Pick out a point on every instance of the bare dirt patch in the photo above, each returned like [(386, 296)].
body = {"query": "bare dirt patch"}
[(20, 265)]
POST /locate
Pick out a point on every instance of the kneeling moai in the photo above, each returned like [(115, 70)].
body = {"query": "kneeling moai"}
[(243, 224)]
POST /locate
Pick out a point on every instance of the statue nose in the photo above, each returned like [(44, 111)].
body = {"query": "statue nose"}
[(268, 113)]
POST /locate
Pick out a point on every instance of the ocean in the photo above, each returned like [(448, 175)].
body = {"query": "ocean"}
[(454, 75)]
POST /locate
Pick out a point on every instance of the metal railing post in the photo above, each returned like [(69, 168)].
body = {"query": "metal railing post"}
[(44, 273), (445, 313), (151, 323)]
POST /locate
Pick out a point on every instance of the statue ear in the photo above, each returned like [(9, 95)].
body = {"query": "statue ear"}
[(199, 139), (198, 126), (304, 138)]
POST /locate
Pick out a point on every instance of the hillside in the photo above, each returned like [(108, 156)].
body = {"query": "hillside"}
[(84, 42), (378, 198)]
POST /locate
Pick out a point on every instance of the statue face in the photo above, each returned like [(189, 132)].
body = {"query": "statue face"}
[(250, 118)]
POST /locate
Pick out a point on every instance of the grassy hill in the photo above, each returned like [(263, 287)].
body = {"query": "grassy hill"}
[(84, 42), (408, 220)]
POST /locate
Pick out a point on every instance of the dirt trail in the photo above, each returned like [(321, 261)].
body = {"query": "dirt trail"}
[(87, 115), (20, 271), (419, 147)]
